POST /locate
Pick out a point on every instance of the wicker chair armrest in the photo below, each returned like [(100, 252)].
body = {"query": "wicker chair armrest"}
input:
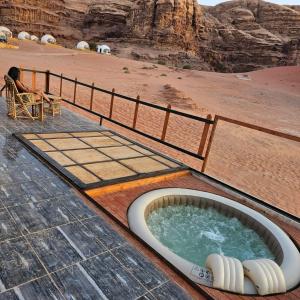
[(28, 98), (25, 94)]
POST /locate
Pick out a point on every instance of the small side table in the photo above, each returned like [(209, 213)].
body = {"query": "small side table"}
[(54, 107)]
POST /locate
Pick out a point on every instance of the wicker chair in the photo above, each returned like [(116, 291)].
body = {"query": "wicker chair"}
[(19, 104)]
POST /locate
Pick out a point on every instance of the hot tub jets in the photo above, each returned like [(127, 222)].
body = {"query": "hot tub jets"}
[(257, 276)]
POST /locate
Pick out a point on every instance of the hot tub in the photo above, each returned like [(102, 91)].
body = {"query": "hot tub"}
[(283, 250)]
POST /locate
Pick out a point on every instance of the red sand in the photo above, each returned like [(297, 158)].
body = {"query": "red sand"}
[(260, 164)]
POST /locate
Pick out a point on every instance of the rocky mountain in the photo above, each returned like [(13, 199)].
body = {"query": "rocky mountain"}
[(239, 35)]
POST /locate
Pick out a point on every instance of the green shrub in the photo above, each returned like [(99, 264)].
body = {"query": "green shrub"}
[(187, 67), (161, 62), (163, 74), (93, 46)]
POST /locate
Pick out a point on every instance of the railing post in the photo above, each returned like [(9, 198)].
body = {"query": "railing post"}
[(100, 121), (60, 85), (204, 136), (167, 117), (33, 79), (136, 111), (21, 74), (47, 82), (92, 97), (75, 90), (211, 138), (112, 103)]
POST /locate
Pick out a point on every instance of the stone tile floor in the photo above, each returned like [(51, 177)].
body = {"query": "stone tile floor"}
[(52, 246)]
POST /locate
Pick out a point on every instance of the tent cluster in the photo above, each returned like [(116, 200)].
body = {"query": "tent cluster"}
[(46, 39), (49, 39), (23, 35), (103, 49)]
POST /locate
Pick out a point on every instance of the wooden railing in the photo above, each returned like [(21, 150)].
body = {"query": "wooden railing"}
[(245, 125), (208, 122), (210, 125)]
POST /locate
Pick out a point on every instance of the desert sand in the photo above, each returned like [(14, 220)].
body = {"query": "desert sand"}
[(260, 164)]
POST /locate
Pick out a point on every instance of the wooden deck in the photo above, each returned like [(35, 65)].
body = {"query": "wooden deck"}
[(115, 202)]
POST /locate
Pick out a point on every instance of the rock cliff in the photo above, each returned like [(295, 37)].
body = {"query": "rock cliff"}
[(257, 33), (238, 35)]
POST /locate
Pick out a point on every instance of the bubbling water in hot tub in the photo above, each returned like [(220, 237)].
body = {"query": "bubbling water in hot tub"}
[(193, 233)]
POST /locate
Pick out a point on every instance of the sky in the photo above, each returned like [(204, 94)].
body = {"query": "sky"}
[(214, 2)]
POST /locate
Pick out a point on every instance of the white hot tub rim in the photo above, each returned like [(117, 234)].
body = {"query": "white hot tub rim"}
[(290, 263)]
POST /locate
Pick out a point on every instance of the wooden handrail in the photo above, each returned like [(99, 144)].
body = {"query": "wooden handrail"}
[(246, 125), (208, 133), (146, 103), (168, 110), (259, 128)]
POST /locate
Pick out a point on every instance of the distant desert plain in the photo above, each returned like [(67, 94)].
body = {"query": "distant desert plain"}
[(265, 166)]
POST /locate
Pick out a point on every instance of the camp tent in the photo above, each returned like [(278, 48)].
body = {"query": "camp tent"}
[(83, 45), (6, 31), (23, 35), (103, 49), (34, 38), (48, 39)]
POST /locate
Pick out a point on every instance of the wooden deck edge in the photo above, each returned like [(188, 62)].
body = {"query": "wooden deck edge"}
[(94, 193)]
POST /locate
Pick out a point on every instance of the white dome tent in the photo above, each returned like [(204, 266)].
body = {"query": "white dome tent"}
[(83, 46), (23, 35), (48, 39), (34, 38), (103, 49), (6, 31)]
